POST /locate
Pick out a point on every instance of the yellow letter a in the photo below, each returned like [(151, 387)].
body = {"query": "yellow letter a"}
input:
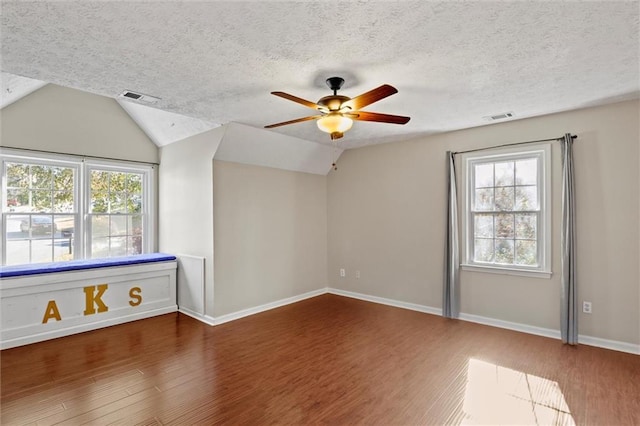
[(51, 312)]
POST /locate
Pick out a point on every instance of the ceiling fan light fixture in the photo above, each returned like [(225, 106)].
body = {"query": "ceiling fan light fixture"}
[(334, 123), (337, 112)]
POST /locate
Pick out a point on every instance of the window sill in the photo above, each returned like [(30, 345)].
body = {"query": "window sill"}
[(505, 271)]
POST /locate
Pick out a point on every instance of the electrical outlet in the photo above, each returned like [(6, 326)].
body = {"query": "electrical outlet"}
[(357, 275), (343, 273), (586, 307)]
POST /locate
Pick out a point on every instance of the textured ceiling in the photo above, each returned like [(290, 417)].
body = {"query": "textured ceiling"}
[(452, 62)]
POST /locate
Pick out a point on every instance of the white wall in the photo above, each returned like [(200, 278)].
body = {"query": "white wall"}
[(262, 231), (270, 235), (70, 121), (387, 207), (259, 147), (185, 201)]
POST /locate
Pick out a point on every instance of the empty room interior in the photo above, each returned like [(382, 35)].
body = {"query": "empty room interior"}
[(311, 212)]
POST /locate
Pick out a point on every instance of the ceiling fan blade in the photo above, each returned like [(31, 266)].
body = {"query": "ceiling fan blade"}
[(381, 118), (296, 99), (370, 97), (297, 120)]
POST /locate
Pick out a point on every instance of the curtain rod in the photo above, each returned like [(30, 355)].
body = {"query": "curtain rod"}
[(80, 155), (512, 144)]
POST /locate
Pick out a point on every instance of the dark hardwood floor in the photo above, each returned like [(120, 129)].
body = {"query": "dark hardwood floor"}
[(329, 360)]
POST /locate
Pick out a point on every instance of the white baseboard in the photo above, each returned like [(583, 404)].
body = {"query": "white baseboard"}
[(267, 306), (385, 301), (195, 315), (523, 328), (609, 344), (554, 334)]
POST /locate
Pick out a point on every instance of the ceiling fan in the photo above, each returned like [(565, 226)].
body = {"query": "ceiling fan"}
[(337, 112)]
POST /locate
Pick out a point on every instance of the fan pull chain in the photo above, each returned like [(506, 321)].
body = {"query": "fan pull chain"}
[(335, 150)]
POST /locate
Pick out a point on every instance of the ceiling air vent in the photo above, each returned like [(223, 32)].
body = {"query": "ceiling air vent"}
[(148, 99), (499, 116)]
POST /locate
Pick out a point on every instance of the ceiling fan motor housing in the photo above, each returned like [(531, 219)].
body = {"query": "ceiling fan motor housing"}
[(335, 83), (334, 102)]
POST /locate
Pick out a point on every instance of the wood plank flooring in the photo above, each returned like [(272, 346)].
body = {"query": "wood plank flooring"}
[(326, 360)]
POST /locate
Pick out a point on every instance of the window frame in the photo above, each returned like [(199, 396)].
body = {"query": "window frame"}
[(82, 167), (148, 240), (540, 151)]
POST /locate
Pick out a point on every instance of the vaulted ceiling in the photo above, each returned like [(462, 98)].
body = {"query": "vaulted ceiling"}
[(453, 63)]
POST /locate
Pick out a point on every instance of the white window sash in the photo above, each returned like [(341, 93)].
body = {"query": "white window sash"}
[(543, 232), (148, 201)]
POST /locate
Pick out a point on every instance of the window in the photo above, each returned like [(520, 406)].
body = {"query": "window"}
[(56, 208), (115, 212), (41, 206), (507, 210)]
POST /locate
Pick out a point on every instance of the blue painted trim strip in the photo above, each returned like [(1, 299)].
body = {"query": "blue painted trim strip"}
[(78, 265)]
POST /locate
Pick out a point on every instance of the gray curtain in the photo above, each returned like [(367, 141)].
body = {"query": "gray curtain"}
[(569, 308), (451, 289)]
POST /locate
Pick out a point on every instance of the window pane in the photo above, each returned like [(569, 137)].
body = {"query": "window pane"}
[(134, 245), (62, 179), (504, 251), (41, 200), (117, 183), (483, 226), (99, 202), (117, 202), (504, 198), (504, 226), (41, 177), (134, 203), (99, 247), (504, 173), (134, 183), (63, 201), (62, 249), (14, 227), (118, 225), (99, 226), (17, 175), (526, 198), (65, 225), (483, 175), (527, 172), (99, 181), (526, 226), (135, 224), (17, 198), (118, 246), (526, 253), (483, 200), (483, 250), (42, 250), (17, 252)]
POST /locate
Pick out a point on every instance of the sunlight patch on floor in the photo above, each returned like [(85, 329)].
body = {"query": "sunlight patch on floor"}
[(499, 395)]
